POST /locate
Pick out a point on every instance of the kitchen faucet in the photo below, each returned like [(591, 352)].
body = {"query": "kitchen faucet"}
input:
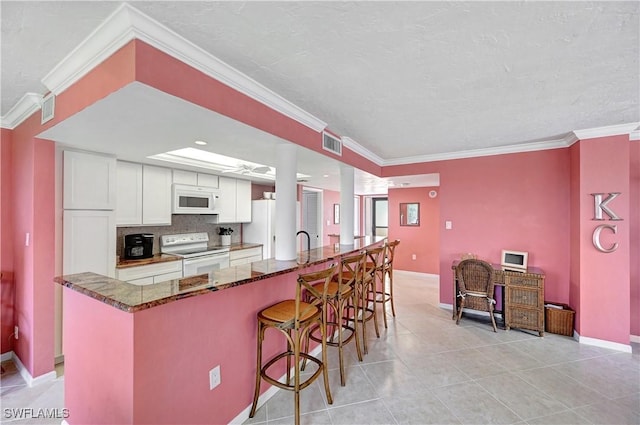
[(308, 239), (308, 245)]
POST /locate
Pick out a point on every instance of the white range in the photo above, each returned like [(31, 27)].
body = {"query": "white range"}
[(197, 256)]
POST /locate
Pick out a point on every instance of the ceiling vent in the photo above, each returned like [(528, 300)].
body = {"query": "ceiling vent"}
[(48, 108), (331, 143)]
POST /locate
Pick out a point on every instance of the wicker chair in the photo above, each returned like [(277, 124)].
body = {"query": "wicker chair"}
[(475, 287)]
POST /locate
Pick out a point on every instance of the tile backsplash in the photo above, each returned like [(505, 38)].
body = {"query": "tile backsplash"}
[(180, 223)]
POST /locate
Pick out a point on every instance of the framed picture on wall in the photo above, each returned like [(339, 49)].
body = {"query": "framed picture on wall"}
[(336, 213), (410, 214)]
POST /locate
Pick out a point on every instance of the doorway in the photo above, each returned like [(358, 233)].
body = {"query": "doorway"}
[(380, 216), (311, 217)]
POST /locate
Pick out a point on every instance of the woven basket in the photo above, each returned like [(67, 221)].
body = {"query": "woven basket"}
[(559, 321)]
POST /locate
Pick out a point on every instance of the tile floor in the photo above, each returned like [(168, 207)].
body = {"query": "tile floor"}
[(426, 370)]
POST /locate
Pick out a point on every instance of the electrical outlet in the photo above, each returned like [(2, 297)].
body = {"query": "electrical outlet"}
[(448, 225), (413, 256), (15, 331), (214, 377)]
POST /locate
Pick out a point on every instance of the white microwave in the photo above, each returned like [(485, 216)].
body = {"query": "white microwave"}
[(195, 199)]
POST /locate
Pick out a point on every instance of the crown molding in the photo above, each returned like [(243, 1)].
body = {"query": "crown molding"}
[(26, 106), (127, 23), (611, 130), (354, 146), (472, 153), (634, 136)]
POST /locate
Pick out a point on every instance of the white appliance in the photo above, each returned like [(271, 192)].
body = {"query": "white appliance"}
[(197, 256), (195, 199), (262, 228)]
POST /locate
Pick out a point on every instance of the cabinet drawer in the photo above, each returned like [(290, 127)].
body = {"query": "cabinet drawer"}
[(150, 270), (523, 318), (244, 253), (167, 276), (523, 297), (522, 281)]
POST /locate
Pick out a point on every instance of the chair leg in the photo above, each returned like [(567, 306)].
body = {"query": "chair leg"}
[(375, 310), (325, 363), (256, 393), (393, 307), (296, 378), (355, 325), (383, 296), (493, 319), (460, 307)]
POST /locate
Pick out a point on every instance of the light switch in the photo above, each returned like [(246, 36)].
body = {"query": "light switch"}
[(448, 225)]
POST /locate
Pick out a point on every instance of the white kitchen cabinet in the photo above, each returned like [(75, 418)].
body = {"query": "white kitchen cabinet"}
[(89, 181), (245, 256), (194, 179), (89, 242), (129, 198), (185, 177), (151, 273), (243, 201), (144, 195), (235, 200), (208, 180), (156, 195)]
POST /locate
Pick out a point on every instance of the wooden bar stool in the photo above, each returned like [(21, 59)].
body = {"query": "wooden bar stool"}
[(384, 295), (295, 318), (372, 272), (340, 294)]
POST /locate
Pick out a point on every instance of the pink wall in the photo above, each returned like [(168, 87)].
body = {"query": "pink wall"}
[(516, 201), (329, 198), (423, 241), (604, 277), (7, 286), (634, 247), (154, 364), (33, 190)]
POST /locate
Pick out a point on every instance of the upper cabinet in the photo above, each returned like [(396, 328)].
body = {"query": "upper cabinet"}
[(195, 179), (235, 200), (89, 181), (144, 195)]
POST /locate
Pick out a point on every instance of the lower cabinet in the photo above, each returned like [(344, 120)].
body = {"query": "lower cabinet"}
[(151, 273), (245, 256)]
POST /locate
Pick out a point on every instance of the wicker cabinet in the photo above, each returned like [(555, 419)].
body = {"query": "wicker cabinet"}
[(524, 301)]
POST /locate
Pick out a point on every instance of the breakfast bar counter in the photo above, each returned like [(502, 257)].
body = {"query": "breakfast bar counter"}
[(143, 354)]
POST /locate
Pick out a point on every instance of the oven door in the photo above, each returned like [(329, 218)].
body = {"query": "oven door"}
[(204, 264)]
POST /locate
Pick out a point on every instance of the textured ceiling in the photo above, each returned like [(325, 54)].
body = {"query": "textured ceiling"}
[(401, 79)]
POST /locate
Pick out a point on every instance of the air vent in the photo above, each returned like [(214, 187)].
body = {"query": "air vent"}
[(48, 108), (331, 143)]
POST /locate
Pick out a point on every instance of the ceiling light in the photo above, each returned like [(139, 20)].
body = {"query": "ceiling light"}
[(325, 175), (200, 142), (220, 163)]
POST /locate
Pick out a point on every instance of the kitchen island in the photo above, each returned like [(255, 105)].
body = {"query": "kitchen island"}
[(142, 354)]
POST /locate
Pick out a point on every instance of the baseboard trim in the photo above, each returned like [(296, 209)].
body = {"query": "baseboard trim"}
[(59, 359), (635, 338), (6, 356), (417, 274), (30, 380), (601, 343), (244, 415)]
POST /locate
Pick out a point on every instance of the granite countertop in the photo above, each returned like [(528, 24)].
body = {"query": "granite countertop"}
[(132, 298), (157, 258)]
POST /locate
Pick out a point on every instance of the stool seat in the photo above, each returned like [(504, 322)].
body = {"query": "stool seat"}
[(285, 311)]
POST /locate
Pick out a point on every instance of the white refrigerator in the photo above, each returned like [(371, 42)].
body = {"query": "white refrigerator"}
[(262, 228)]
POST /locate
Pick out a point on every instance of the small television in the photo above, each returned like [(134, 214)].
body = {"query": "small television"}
[(514, 260)]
